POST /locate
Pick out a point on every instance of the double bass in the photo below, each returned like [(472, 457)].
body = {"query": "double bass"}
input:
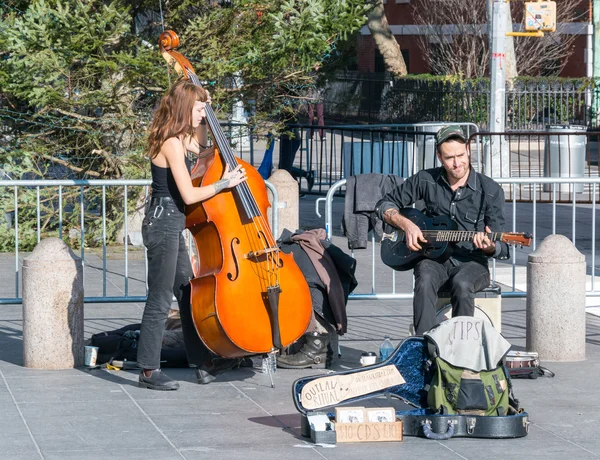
[(247, 297)]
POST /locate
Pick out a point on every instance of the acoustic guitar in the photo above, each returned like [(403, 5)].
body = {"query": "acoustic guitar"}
[(441, 233)]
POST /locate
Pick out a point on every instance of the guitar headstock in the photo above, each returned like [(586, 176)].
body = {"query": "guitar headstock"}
[(520, 239)]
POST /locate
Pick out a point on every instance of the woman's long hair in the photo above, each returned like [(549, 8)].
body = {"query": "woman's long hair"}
[(173, 117)]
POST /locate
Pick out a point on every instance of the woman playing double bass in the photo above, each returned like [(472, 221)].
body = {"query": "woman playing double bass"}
[(176, 128)]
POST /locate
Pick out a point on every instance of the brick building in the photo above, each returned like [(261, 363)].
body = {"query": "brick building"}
[(400, 17)]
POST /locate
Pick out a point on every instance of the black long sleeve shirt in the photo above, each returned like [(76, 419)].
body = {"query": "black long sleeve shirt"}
[(478, 203)]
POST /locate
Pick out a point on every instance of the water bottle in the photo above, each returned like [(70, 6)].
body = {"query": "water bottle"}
[(386, 348), (269, 363)]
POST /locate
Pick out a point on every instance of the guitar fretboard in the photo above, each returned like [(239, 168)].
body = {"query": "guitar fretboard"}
[(456, 236)]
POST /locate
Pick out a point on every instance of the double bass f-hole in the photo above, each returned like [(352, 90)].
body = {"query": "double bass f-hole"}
[(230, 276)]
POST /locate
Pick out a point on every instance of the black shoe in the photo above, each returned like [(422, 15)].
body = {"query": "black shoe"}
[(246, 362), (203, 376), (157, 381), (209, 371)]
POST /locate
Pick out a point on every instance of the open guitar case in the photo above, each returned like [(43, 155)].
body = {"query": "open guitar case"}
[(411, 359)]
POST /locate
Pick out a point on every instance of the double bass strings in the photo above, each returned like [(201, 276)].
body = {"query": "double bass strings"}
[(248, 201)]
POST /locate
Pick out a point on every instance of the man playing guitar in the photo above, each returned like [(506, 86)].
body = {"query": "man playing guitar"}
[(475, 202)]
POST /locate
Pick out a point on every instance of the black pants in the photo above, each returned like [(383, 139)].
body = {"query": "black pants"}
[(465, 280), (169, 273), (288, 147)]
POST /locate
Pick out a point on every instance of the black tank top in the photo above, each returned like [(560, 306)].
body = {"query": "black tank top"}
[(163, 182)]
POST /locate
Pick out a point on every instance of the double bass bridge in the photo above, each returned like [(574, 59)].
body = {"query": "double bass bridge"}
[(260, 253)]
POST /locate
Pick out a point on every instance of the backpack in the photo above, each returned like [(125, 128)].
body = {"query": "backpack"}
[(120, 344), (456, 390), (467, 371)]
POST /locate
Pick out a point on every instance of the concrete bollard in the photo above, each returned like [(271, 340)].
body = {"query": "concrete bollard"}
[(556, 301), (287, 189), (52, 307)]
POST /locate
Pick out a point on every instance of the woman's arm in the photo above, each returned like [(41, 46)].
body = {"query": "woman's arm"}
[(173, 151)]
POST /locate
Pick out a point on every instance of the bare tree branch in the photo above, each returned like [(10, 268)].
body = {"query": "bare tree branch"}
[(457, 45), (68, 165)]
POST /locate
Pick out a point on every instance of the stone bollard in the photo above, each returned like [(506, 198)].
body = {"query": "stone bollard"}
[(556, 301), (52, 307), (287, 189)]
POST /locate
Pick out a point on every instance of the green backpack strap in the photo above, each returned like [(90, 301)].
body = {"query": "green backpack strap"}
[(513, 403)]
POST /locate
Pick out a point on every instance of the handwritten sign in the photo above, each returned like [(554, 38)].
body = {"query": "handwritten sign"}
[(331, 390), (364, 432)]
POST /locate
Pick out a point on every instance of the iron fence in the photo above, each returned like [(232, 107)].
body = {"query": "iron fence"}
[(531, 104), (87, 210), (320, 156)]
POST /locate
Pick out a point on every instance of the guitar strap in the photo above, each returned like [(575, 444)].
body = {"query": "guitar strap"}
[(482, 205)]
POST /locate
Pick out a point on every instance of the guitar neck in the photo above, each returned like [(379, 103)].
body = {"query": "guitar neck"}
[(456, 236)]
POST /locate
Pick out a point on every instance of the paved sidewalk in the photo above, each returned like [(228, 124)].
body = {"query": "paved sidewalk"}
[(99, 414)]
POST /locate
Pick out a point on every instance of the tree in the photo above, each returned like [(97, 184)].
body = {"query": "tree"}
[(457, 44), (79, 80), (75, 80), (273, 46), (386, 43), (76, 93)]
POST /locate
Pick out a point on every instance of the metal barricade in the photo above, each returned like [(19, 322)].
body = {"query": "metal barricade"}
[(319, 161), (513, 274), (100, 210), (557, 153)]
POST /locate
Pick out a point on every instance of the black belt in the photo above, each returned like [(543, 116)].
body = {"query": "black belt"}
[(165, 200)]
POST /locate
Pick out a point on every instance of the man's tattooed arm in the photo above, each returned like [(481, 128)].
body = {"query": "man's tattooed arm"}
[(393, 217)]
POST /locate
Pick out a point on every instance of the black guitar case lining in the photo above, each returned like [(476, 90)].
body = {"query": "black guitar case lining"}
[(411, 359)]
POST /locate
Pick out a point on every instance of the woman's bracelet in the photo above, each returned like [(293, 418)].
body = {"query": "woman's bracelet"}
[(221, 185)]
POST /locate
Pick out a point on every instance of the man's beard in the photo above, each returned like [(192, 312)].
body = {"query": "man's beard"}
[(458, 175)]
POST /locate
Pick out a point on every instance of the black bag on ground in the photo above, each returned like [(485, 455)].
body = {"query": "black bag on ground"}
[(121, 345)]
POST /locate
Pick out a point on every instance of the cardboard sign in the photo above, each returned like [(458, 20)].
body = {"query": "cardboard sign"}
[(368, 432), (331, 390)]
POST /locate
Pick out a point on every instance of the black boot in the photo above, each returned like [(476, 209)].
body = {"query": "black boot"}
[(312, 354), (209, 371)]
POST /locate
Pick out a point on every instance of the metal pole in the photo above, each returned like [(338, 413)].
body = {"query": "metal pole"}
[(499, 149), (589, 57), (595, 58)]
